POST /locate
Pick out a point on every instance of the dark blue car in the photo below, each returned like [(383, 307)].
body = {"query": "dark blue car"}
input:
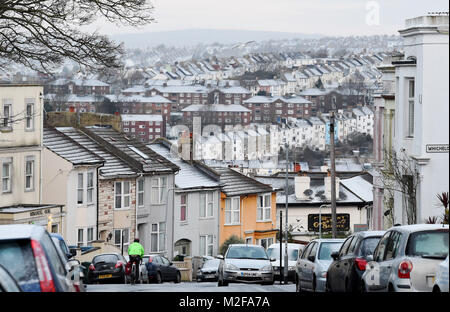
[(158, 269)]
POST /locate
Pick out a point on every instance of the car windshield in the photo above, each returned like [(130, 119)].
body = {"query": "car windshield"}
[(106, 259), (428, 244), (17, 257), (368, 246), (247, 252), (327, 248), (275, 253), (211, 263)]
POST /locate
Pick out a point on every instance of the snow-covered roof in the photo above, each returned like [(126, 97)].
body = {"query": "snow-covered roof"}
[(216, 108), (182, 89), (89, 83), (135, 89), (312, 92), (142, 117), (360, 187), (139, 99), (189, 176), (235, 90)]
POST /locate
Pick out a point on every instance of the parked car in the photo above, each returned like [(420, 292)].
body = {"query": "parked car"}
[(312, 266), (406, 258), (245, 264), (209, 271), (158, 269), (28, 253), (73, 265), (345, 272), (294, 250), (107, 267), (441, 282), (68, 253), (7, 281)]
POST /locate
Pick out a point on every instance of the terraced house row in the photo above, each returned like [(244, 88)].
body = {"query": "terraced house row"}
[(95, 183)]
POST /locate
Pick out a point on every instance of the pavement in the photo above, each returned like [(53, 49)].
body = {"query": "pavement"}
[(190, 287)]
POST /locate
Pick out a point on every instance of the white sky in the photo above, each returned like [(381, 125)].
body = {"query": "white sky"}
[(326, 17)]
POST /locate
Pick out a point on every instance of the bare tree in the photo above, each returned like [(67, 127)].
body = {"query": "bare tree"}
[(42, 34), (400, 175)]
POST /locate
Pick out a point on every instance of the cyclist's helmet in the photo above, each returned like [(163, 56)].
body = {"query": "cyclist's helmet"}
[(136, 240)]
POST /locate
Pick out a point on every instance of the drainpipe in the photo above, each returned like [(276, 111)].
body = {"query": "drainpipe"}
[(136, 204)]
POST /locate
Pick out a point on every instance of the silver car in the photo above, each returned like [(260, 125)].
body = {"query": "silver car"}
[(312, 266), (245, 264), (406, 258), (441, 282)]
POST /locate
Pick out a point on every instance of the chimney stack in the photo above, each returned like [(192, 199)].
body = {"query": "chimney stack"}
[(302, 183)]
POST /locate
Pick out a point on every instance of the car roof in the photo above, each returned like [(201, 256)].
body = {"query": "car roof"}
[(244, 245), (290, 245), (365, 234), (20, 231), (418, 227), (328, 240)]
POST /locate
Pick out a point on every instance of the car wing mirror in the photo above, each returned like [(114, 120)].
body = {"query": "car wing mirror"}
[(335, 255), (273, 259), (72, 264), (220, 257), (369, 258), (312, 258), (73, 252)]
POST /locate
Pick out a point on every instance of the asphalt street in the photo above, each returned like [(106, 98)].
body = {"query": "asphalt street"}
[(190, 287)]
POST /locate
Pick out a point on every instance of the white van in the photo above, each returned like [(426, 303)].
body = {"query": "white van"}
[(294, 251)]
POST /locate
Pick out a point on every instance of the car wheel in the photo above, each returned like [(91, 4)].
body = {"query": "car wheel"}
[(391, 288), (436, 289), (363, 287), (314, 284), (158, 278), (327, 286), (225, 283), (348, 287), (178, 278), (298, 288)]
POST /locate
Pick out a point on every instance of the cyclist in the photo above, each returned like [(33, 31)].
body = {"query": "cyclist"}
[(136, 252)]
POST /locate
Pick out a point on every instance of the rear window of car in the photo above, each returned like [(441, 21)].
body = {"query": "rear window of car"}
[(326, 249), (17, 257), (368, 246), (432, 244), (106, 259)]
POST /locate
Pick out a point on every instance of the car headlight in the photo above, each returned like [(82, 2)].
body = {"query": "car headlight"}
[(267, 268), (232, 267), (291, 268)]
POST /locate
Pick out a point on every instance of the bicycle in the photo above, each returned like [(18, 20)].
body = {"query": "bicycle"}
[(133, 273)]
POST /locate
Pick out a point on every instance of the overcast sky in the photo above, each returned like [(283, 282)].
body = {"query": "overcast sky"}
[(326, 17)]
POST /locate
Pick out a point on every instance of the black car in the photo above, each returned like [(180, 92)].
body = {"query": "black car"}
[(209, 271), (159, 269), (107, 267), (344, 274)]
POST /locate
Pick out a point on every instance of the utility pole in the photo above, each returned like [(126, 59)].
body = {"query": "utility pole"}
[(281, 248), (333, 178), (286, 222)]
